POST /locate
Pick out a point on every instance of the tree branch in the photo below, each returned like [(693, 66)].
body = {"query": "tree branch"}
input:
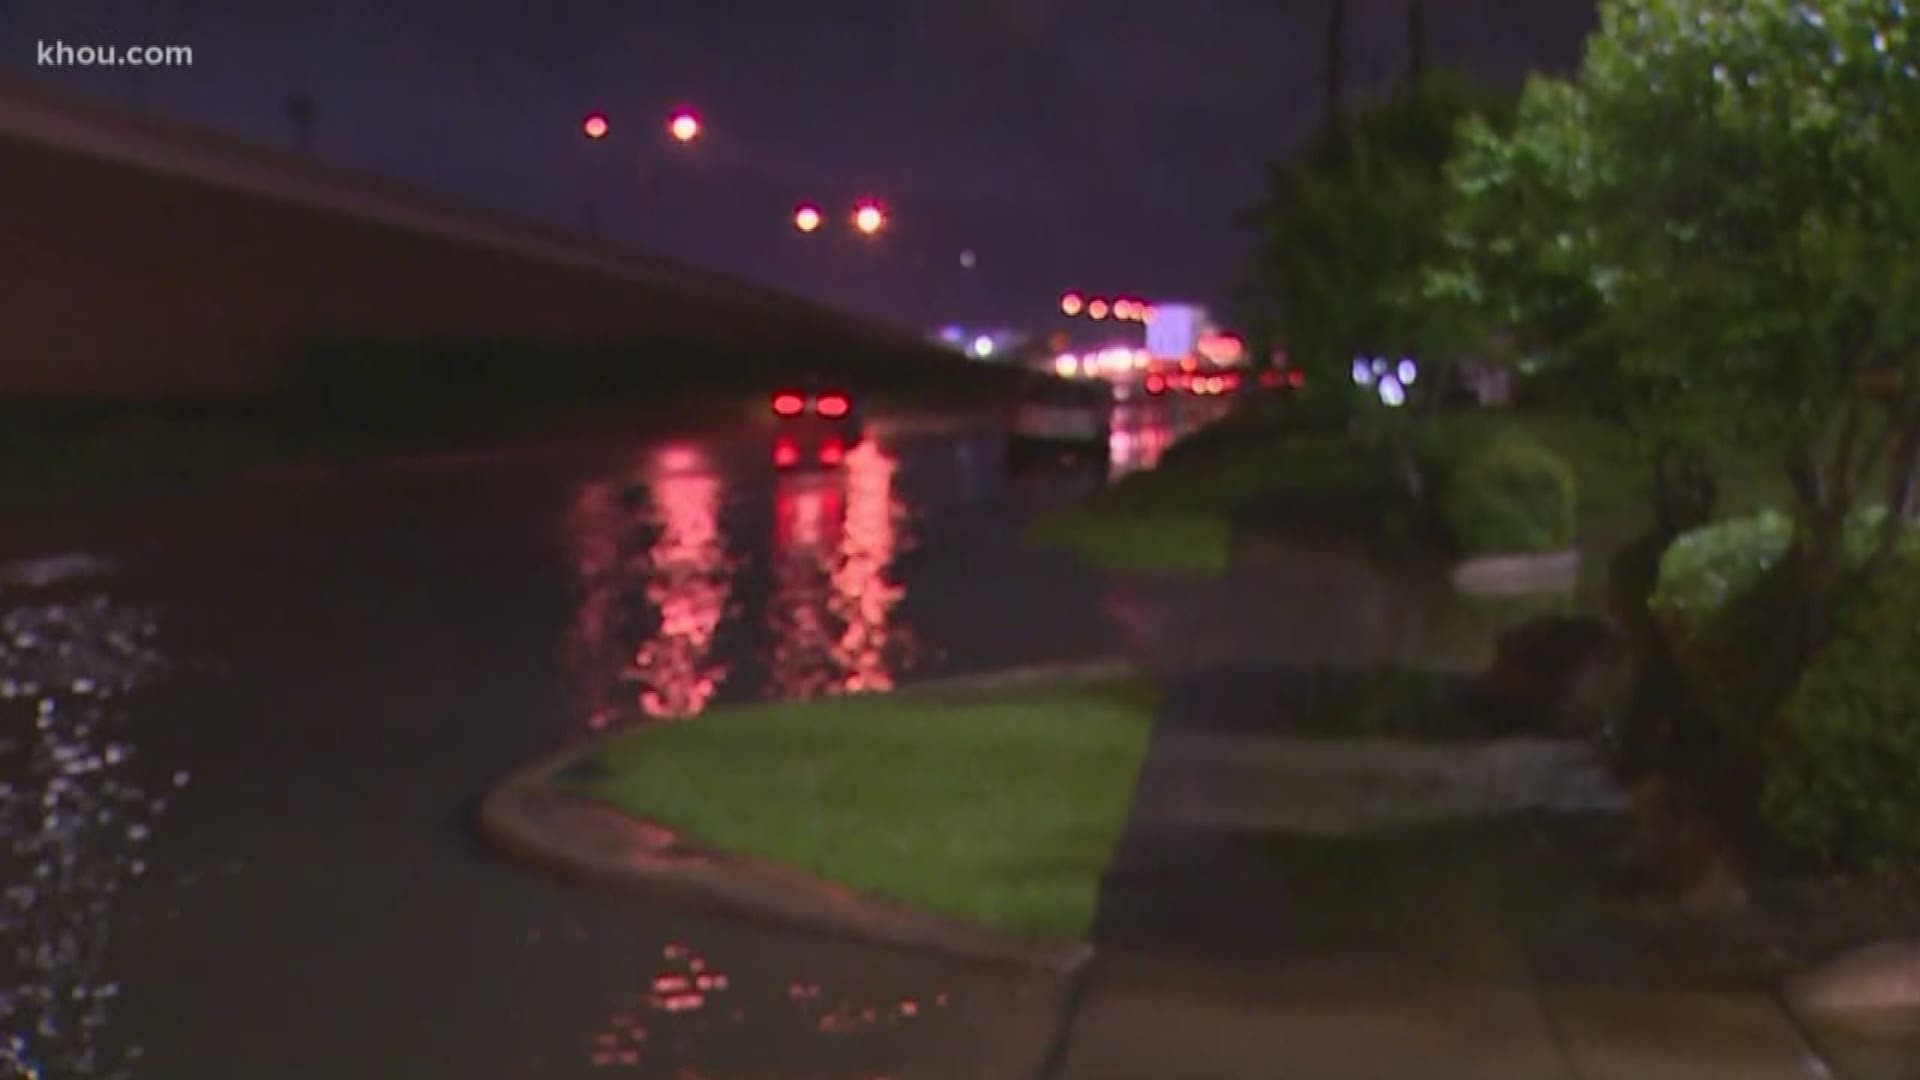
[(1839, 479)]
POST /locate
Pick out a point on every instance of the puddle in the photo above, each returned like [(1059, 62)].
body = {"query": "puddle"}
[(691, 1010), (78, 806)]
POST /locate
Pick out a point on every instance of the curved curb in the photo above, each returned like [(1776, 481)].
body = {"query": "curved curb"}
[(526, 818), (1519, 575)]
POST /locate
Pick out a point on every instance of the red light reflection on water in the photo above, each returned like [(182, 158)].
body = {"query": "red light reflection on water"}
[(831, 613), (1139, 438), (689, 585), (652, 544)]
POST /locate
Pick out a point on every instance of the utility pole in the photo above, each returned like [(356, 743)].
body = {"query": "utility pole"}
[(1336, 57), (1417, 38), (300, 121)]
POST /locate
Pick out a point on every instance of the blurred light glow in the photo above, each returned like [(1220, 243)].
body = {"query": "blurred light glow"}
[(1097, 308), (1072, 304), (806, 217), (1362, 371), (968, 259), (983, 346), (869, 218), (1392, 393), (1379, 366), (1066, 366), (595, 126), (1408, 372), (684, 126)]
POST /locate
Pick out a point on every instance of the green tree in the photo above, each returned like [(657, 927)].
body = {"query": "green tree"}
[(1727, 197), (1350, 225)]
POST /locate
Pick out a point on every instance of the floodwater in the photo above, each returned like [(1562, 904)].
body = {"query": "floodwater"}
[(244, 732)]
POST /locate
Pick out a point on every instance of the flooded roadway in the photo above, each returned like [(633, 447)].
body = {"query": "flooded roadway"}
[(240, 763)]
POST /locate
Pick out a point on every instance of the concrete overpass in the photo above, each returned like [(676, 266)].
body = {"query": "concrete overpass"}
[(143, 257)]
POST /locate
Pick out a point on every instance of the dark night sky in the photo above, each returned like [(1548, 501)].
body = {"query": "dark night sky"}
[(1101, 145)]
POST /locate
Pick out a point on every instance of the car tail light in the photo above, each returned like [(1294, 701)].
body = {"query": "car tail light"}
[(832, 406), (785, 453), (832, 452), (788, 403), (1296, 378), (1156, 385)]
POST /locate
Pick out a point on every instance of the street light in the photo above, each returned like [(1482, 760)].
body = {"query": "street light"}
[(1097, 309), (869, 218), (806, 217), (595, 125), (684, 126), (1072, 304)]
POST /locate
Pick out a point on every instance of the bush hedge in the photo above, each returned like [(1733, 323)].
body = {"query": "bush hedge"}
[(1832, 748), (1511, 495), (1844, 778)]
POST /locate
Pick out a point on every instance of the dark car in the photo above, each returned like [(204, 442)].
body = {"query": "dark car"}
[(816, 424), (1059, 418)]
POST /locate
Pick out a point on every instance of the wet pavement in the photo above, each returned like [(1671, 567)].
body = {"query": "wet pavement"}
[(293, 889)]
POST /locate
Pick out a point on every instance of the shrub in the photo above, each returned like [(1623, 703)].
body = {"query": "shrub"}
[(1511, 495), (1844, 778), (1724, 598)]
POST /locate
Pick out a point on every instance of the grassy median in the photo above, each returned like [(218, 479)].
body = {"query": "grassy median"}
[(1003, 808), (1179, 518)]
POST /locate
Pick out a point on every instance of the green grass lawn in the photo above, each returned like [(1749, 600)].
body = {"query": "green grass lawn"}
[(1180, 517), (1002, 808)]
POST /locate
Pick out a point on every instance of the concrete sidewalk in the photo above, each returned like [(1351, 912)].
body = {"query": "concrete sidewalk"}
[(1286, 909), (1356, 1020)]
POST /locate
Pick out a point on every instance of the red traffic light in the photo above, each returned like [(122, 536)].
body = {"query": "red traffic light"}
[(788, 403)]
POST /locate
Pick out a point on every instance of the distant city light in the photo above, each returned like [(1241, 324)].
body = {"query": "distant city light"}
[(595, 126), (869, 218), (806, 218), (1072, 304), (1362, 371), (1392, 393), (1408, 372), (684, 126)]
